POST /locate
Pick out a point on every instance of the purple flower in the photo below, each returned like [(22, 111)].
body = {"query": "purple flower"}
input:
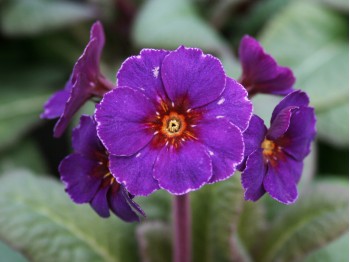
[(274, 157), (88, 179), (174, 122), (85, 82), (260, 72)]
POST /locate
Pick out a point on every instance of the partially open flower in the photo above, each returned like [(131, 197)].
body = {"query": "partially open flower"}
[(260, 72), (174, 122), (88, 179), (274, 157), (86, 81)]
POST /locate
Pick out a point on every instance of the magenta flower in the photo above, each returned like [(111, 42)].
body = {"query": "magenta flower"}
[(85, 82), (174, 122), (88, 179), (274, 157), (260, 72)]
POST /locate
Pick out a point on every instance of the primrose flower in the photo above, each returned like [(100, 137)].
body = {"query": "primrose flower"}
[(85, 82), (260, 72), (88, 179), (274, 157), (174, 122)]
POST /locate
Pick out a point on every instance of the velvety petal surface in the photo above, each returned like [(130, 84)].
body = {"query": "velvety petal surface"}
[(100, 203), (280, 180), (84, 77), (77, 99), (84, 138), (184, 169), (143, 72), (296, 99), (280, 124), (190, 76), (75, 173), (224, 142), (253, 136), (253, 176), (233, 104), (88, 63), (301, 133), (136, 171), (54, 107), (121, 120), (120, 206), (261, 73)]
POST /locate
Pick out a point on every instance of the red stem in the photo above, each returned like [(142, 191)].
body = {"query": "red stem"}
[(182, 229)]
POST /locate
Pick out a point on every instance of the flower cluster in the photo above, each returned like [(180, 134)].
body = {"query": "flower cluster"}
[(175, 121)]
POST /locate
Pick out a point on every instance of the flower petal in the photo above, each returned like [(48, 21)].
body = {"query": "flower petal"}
[(136, 171), (261, 73), (296, 99), (100, 203), (120, 206), (253, 176), (191, 77), (184, 169), (142, 73), (233, 104), (84, 138), (280, 124), (88, 63), (301, 133), (54, 107), (76, 173), (121, 120), (224, 142), (76, 100), (281, 180), (253, 136)]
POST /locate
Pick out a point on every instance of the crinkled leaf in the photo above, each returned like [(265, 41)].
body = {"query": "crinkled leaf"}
[(10, 255), (341, 5), (338, 250), (311, 39), (320, 216), (22, 99), (216, 211), (28, 17), (39, 220), (154, 241), (24, 155)]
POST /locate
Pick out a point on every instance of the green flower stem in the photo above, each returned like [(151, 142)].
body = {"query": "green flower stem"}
[(182, 238)]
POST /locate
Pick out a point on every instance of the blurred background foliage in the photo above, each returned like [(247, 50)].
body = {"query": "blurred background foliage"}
[(39, 42)]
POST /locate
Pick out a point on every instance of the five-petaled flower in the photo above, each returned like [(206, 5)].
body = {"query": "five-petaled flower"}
[(260, 72), (88, 179), (174, 122), (274, 157), (85, 82)]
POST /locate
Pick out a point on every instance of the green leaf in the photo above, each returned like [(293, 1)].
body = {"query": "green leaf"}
[(39, 220), (24, 155), (10, 255), (319, 216), (28, 17), (216, 211), (154, 239), (341, 5), (168, 24), (338, 250), (22, 99), (312, 41)]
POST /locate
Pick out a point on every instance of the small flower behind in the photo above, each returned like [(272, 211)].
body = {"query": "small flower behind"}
[(85, 82), (260, 72), (274, 157), (88, 179), (174, 122)]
